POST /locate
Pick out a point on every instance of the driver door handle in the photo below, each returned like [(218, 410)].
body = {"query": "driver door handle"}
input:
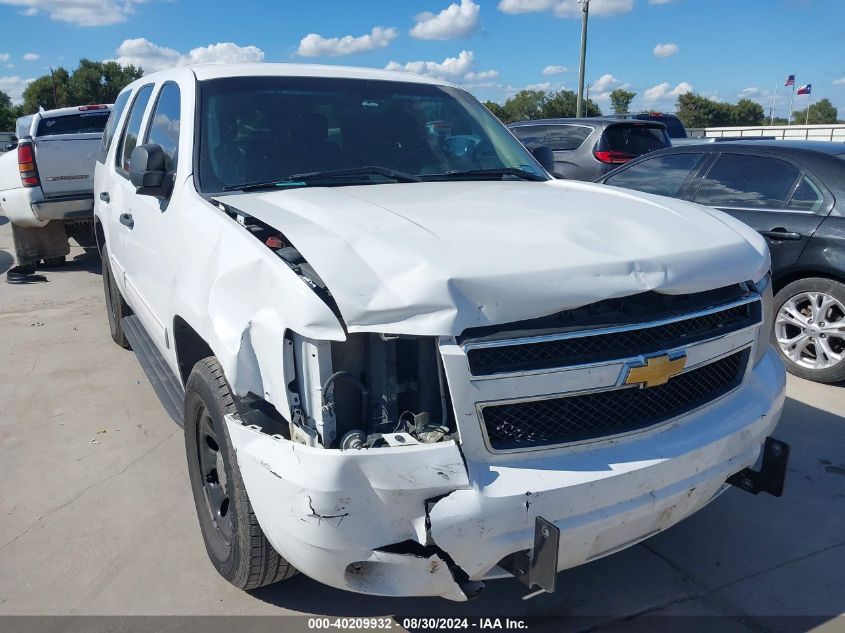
[(126, 220), (104, 196), (779, 234)]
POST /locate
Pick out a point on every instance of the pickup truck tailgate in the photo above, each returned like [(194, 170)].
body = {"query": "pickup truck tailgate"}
[(66, 163)]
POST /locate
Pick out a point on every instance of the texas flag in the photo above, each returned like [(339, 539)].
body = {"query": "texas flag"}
[(805, 90)]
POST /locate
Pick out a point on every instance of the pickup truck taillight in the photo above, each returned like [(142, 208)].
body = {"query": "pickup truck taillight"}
[(26, 165), (614, 158)]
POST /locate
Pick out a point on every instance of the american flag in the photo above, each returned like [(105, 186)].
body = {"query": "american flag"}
[(805, 90), (790, 80)]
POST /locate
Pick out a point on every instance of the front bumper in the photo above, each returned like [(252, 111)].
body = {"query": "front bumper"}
[(420, 521)]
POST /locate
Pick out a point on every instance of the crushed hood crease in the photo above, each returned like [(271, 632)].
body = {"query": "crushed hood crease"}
[(436, 258)]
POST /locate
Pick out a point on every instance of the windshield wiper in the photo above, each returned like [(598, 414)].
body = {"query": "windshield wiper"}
[(398, 176), (303, 179), (496, 171)]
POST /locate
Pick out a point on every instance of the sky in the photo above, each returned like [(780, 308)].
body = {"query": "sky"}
[(723, 49)]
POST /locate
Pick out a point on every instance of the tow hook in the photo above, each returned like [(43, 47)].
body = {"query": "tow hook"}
[(537, 567), (772, 472)]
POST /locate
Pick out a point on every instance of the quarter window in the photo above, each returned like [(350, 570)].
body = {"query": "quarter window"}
[(662, 175), (807, 197), (132, 130), (744, 180), (164, 125)]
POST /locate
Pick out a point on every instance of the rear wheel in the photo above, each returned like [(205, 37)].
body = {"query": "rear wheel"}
[(233, 539), (809, 329), (54, 262), (116, 307)]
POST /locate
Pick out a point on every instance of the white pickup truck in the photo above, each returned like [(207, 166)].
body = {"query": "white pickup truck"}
[(406, 360), (47, 181)]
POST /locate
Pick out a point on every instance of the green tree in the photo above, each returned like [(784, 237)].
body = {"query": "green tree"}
[(39, 92), (748, 112), (620, 100), (697, 111), (822, 112), (100, 82), (563, 104), (495, 108), (91, 82), (8, 113), (525, 104)]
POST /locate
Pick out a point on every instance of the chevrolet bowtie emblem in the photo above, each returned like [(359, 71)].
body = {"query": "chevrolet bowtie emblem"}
[(656, 371)]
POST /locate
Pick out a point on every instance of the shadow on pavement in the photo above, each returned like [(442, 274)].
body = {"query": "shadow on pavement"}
[(7, 260)]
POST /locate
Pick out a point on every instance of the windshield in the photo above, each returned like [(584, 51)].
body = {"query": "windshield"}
[(266, 129)]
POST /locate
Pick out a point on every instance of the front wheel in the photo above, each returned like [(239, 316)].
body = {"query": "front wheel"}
[(116, 307), (233, 539), (809, 329)]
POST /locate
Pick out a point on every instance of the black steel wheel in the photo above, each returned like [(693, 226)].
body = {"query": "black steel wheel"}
[(236, 545), (116, 307)]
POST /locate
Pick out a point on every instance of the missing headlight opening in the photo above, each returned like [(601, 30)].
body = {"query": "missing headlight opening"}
[(369, 391)]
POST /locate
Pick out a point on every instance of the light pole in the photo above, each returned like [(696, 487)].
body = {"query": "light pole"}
[(585, 13)]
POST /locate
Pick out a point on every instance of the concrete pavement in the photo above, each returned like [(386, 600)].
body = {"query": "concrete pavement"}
[(96, 515)]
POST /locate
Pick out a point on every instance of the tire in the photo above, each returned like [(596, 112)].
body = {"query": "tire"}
[(55, 262), (116, 307), (809, 329), (235, 543)]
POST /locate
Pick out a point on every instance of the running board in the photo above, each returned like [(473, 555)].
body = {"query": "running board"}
[(168, 389)]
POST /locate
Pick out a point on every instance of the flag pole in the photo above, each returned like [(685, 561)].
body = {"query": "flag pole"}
[(807, 118), (791, 101), (772, 111)]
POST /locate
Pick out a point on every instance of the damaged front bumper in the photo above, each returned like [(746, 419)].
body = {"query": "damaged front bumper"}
[(420, 521)]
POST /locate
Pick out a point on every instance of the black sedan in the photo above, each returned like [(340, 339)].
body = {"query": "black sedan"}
[(793, 193)]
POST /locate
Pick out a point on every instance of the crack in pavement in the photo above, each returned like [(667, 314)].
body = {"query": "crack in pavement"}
[(89, 487), (24, 379)]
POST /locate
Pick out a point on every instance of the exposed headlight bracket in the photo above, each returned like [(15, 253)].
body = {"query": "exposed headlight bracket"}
[(772, 474)]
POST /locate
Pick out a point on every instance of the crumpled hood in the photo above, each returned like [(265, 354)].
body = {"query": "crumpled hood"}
[(436, 258)]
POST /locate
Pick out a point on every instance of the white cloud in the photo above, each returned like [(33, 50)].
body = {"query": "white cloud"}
[(484, 75), (31, 57), (839, 82), (665, 91), (554, 70), (660, 1), (79, 12), (450, 67), (457, 20), (4, 57), (314, 45), (751, 91), (605, 83), (544, 86), (14, 87), (665, 50), (566, 8), (151, 57)]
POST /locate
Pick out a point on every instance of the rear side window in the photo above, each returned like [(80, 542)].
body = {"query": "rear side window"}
[(557, 137), (633, 140), (662, 175), (116, 113), (164, 124), (744, 180), (93, 122), (132, 130), (807, 197)]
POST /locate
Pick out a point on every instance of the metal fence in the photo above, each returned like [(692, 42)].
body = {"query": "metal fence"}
[(786, 132)]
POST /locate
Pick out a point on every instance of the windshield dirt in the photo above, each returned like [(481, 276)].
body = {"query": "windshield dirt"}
[(269, 129)]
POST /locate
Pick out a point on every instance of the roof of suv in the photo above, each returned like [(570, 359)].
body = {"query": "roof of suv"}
[(217, 70), (594, 122)]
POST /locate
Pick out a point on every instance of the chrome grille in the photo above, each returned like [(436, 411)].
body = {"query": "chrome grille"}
[(583, 347), (588, 416)]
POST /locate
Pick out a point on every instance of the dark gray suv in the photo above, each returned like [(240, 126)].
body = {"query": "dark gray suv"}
[(586, 149)]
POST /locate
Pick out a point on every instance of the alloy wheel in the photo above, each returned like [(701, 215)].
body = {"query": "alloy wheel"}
[(810, 330)]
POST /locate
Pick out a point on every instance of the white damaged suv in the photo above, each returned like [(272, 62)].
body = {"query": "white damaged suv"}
[(407, 361)]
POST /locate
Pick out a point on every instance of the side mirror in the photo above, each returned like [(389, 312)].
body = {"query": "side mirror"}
[(148, 171), (545, 156)]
